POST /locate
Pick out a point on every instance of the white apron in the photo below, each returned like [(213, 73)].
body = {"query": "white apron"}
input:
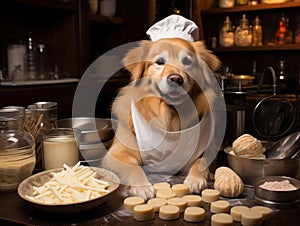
[(170, 152)]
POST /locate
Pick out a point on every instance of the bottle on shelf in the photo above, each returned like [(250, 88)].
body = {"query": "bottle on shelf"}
[(257, 32), (289, 34), (243, 33), (226, 34), (282, 75), (297, 35), (42, 62), (31, 59), (284, 35)]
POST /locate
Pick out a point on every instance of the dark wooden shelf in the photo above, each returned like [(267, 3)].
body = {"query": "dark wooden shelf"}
[(105, 19), (252, 8), (68, 5), (288, 47)]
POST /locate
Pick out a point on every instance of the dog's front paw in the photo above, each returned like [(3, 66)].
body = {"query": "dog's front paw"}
[(147, 191), (195, 184)]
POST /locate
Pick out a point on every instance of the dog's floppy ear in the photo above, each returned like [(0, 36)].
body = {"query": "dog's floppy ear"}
[(135, 60), (207, 56)]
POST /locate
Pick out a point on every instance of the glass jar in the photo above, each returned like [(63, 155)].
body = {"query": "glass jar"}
[(241, 2), (226, 3), (257, 32), (226, 34), (297, 35), (16, 112), (243, 33), (43, 116), (17, 158)]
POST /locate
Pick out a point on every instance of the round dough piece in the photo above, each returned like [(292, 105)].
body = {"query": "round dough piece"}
[(169, 212), (194, 214), (265, 211), (143, 212), (165, 193), (220, 206), (161, 185), (251, 218), (181, 189), (193, 200), (179, 202), (227, 182), (131, 202), (157, 203), (221, 219), (210, 195), (237, 211), (247, 146)]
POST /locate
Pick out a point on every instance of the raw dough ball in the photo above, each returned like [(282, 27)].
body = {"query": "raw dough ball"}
[(227, 182), (194, 214), (237, 211), (247, 146), (193, 200), (157, 203), (210, 195), (265, 211), (220, 206), (221, 219), (181, 189), (143, 212), (169, 212), (251, 218), (131, 202), (160, 185), (180, 202)]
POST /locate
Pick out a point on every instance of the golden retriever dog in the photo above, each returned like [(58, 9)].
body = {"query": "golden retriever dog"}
[(165, 73)]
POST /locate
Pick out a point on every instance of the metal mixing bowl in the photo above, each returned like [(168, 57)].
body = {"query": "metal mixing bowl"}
[(93, 130), (250, 170)]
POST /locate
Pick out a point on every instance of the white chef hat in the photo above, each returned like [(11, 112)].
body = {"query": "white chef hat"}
[(174, 26)]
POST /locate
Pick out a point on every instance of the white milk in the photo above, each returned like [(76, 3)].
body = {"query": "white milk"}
[(58, 151)]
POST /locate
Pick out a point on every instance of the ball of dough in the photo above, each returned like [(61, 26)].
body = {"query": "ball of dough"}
[(247, 146), (227, 182)]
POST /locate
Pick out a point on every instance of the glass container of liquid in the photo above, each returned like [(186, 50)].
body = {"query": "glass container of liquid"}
[(257, 32), (226, 34), (243, 33)]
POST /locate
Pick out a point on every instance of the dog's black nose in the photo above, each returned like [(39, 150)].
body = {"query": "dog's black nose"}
[(175, 80)]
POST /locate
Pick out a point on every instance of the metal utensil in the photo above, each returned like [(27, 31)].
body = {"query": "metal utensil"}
[(285, 147)]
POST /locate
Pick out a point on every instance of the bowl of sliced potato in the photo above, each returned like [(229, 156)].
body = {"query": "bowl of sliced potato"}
[(69, 189)]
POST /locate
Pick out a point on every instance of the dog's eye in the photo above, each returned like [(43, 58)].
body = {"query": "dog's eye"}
[(186, 61), (160, 61)]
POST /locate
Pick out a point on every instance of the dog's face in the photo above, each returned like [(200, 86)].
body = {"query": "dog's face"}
[(169, 66)]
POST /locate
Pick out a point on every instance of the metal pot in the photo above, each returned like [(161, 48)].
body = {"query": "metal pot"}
[(250, 170), (241, 79)]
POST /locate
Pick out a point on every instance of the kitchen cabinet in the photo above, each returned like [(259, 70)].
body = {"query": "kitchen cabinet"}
[(73, 38), (240, 59), (52, 22)]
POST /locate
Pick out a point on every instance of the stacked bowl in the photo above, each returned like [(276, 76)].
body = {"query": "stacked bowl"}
[(95, 139)]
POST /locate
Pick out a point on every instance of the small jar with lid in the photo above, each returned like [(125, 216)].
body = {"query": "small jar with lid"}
[(16, 112), (243, 33), (17, 155), (226, 34), (43, 116)]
